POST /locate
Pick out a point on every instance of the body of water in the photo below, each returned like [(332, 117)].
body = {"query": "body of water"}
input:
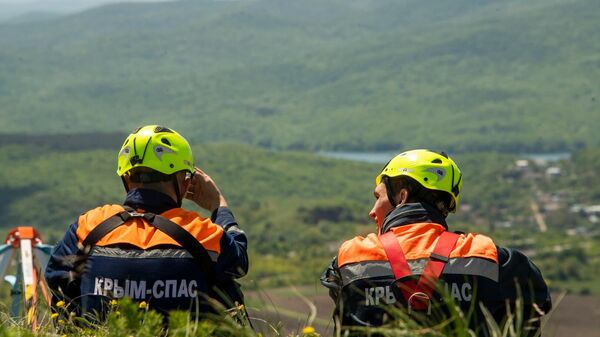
[(384, 157)]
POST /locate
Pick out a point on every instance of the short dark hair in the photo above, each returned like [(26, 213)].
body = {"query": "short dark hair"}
[(147, 175), (417, 193)]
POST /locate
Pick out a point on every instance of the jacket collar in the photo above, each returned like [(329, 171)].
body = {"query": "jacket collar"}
[(411, 213), (149, 200)]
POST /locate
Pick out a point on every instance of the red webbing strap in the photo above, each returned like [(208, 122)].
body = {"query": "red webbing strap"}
[(395, 255), (398, 262), (437, 260), (433, 269)]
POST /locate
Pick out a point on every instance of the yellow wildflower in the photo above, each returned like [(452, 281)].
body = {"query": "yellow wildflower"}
[(309, 331), (54, 315), (60, 321), (113, 302), (60, 304), (143, 305)]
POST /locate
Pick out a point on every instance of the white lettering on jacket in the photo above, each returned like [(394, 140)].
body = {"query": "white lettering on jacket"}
[(139, 289), (375, 295), (464, 293)]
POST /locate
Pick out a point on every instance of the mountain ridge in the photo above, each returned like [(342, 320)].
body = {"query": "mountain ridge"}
[(315, 74)]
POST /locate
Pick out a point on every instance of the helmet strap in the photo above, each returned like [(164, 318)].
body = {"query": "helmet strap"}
[(177, 191), (390, 192), (149, 177), (125, 184)]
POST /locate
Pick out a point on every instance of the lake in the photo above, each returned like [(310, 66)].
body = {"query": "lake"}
[(384, 157)]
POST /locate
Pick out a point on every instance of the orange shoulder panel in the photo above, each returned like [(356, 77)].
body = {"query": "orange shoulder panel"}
[(93, 218), (475, 245), (417, 242), (139, 233), (361, 249), (204, 230)]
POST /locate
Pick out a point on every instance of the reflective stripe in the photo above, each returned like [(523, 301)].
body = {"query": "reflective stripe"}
[(234, 229), (146, 254), (461, 266)]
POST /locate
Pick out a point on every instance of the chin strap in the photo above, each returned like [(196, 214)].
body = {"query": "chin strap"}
[(125, 184), (177, 191)]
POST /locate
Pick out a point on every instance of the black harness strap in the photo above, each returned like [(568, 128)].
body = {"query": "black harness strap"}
[(189, 243), (176, 232), (106, 227)]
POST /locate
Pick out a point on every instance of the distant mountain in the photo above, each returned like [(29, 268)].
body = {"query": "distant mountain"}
[(315, 74)]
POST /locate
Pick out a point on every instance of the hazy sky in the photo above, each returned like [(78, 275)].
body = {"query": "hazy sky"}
[(15, 8), (50, 2)]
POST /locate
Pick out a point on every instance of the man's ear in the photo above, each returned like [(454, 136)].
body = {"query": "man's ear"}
[(402, 196), (185, 183)]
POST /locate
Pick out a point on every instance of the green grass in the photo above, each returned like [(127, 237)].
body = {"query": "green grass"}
[(128, 318), (297, 208)]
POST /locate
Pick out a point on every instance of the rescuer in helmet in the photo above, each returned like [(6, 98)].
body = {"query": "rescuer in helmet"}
[(415, 263), (149, 248)]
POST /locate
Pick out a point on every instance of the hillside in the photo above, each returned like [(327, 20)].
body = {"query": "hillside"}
[(510, 76), (298, 207)]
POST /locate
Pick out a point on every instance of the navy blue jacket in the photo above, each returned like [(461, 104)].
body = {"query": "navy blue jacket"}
[(167, 276), (364, 286)]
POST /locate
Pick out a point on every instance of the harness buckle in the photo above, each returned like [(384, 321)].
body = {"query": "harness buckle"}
[(420, 300), (439, 257), (127, 215)]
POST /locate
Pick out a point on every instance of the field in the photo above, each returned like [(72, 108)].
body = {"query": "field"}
[(301, 193), (573, 316)]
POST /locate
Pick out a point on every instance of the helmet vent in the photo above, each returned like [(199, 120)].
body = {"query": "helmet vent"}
[(159, 128), (437, 161), (136, 130), (165, 141)]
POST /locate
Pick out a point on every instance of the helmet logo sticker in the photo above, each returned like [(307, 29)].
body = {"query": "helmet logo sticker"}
[(405, 170), (125, 152), (440, 173), (160, 150)]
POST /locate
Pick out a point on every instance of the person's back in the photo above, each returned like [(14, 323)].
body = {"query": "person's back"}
[(413, 249), (150, 249)]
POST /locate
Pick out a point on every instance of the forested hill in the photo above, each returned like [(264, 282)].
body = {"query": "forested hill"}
[(297, 207), (315, 74)]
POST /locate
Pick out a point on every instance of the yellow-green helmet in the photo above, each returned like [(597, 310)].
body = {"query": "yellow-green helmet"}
[(434, 171), (155, 147)]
